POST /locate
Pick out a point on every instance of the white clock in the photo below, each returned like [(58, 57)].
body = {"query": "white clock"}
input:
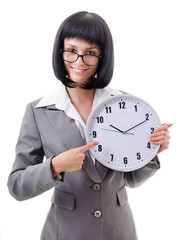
[(122, 125)]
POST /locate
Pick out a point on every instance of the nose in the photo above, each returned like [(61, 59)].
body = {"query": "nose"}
[(80, 60)]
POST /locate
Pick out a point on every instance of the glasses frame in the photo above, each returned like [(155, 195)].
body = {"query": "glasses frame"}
[(82, 56)]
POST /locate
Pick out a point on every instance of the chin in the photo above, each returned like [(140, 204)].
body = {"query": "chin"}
[(79, 82)]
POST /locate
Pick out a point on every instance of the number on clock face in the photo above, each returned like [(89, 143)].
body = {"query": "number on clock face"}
[(122, 125)]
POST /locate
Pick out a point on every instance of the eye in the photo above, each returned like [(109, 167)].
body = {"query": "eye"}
[(90, 53), (71, 50)]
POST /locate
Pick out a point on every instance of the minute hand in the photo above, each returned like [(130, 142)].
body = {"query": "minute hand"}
[(135, 126)]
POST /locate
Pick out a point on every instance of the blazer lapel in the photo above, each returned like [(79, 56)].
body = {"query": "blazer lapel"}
[(70, 134), (102, 170)]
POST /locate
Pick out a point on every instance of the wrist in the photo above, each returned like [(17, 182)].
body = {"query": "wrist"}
[(55, 169)]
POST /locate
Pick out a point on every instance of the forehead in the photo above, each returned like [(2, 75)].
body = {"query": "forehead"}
[(79, 43)]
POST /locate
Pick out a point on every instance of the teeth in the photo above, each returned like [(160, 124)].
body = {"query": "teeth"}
[(78, 70)]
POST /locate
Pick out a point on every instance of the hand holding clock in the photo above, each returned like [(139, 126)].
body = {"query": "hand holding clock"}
[(161, 137)]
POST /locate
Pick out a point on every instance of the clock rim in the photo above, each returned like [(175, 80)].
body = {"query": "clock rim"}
[(87, 135)]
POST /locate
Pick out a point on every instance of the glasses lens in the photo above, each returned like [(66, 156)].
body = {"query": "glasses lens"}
[(90, 60), (70, 56)]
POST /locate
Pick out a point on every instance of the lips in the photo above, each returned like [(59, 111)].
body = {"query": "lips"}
[(78, 70)]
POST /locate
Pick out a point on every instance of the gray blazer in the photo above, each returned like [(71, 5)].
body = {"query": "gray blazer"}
[(90, 204)]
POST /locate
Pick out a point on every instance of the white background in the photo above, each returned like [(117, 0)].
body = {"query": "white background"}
[(144, 34)]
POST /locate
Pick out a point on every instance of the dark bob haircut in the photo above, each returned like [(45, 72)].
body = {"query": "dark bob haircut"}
[(92, 28)]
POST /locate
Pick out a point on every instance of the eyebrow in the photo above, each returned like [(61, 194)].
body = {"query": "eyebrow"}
[(70, 45), (92, 48)]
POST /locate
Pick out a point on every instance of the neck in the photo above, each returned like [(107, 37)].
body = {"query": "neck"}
[(80, 95), (82, 99)]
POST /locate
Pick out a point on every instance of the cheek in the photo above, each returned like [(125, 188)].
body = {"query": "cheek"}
[(66, 66), (94, 69), (91, 72)]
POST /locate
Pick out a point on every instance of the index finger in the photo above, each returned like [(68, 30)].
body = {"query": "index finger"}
[(88, 146)]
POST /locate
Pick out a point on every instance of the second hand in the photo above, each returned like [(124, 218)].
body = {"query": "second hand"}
[(115, 131)]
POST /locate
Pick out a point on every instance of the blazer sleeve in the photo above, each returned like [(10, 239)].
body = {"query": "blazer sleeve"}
[(30, 175), (138, 177)]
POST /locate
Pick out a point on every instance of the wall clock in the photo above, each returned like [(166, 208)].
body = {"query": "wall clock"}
[(122, 125)]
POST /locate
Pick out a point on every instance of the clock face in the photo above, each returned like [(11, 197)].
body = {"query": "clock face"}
[(122, 125)]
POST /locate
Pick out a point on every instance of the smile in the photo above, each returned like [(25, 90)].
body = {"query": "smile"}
[(78, 70)]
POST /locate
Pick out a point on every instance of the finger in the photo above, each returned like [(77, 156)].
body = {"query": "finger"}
[(165, 134), (88, 146), (159, 133), (155, 139), (168, 124), (160, 142), (163, 127), (163, 143)]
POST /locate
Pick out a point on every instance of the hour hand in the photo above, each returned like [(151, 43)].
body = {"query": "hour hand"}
[(117, 129)]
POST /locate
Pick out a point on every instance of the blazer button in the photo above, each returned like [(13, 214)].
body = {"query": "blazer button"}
[(97, 213), (96, 187)]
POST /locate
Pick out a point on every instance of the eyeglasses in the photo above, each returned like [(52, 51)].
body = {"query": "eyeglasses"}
[(71, 57)]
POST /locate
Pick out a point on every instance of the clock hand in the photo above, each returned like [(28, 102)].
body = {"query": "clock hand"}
[(117, 129), (114, 131), (135, 126)]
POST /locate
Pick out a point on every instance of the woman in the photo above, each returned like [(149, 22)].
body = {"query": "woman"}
[(89, 202)]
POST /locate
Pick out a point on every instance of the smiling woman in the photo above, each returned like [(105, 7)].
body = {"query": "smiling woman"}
[(89, 200), (92, 31), (81, 60)]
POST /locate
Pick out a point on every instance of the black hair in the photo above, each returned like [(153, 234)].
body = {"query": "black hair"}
[(92, 28)]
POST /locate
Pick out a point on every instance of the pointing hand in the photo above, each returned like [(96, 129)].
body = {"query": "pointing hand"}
[(71, 160)]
